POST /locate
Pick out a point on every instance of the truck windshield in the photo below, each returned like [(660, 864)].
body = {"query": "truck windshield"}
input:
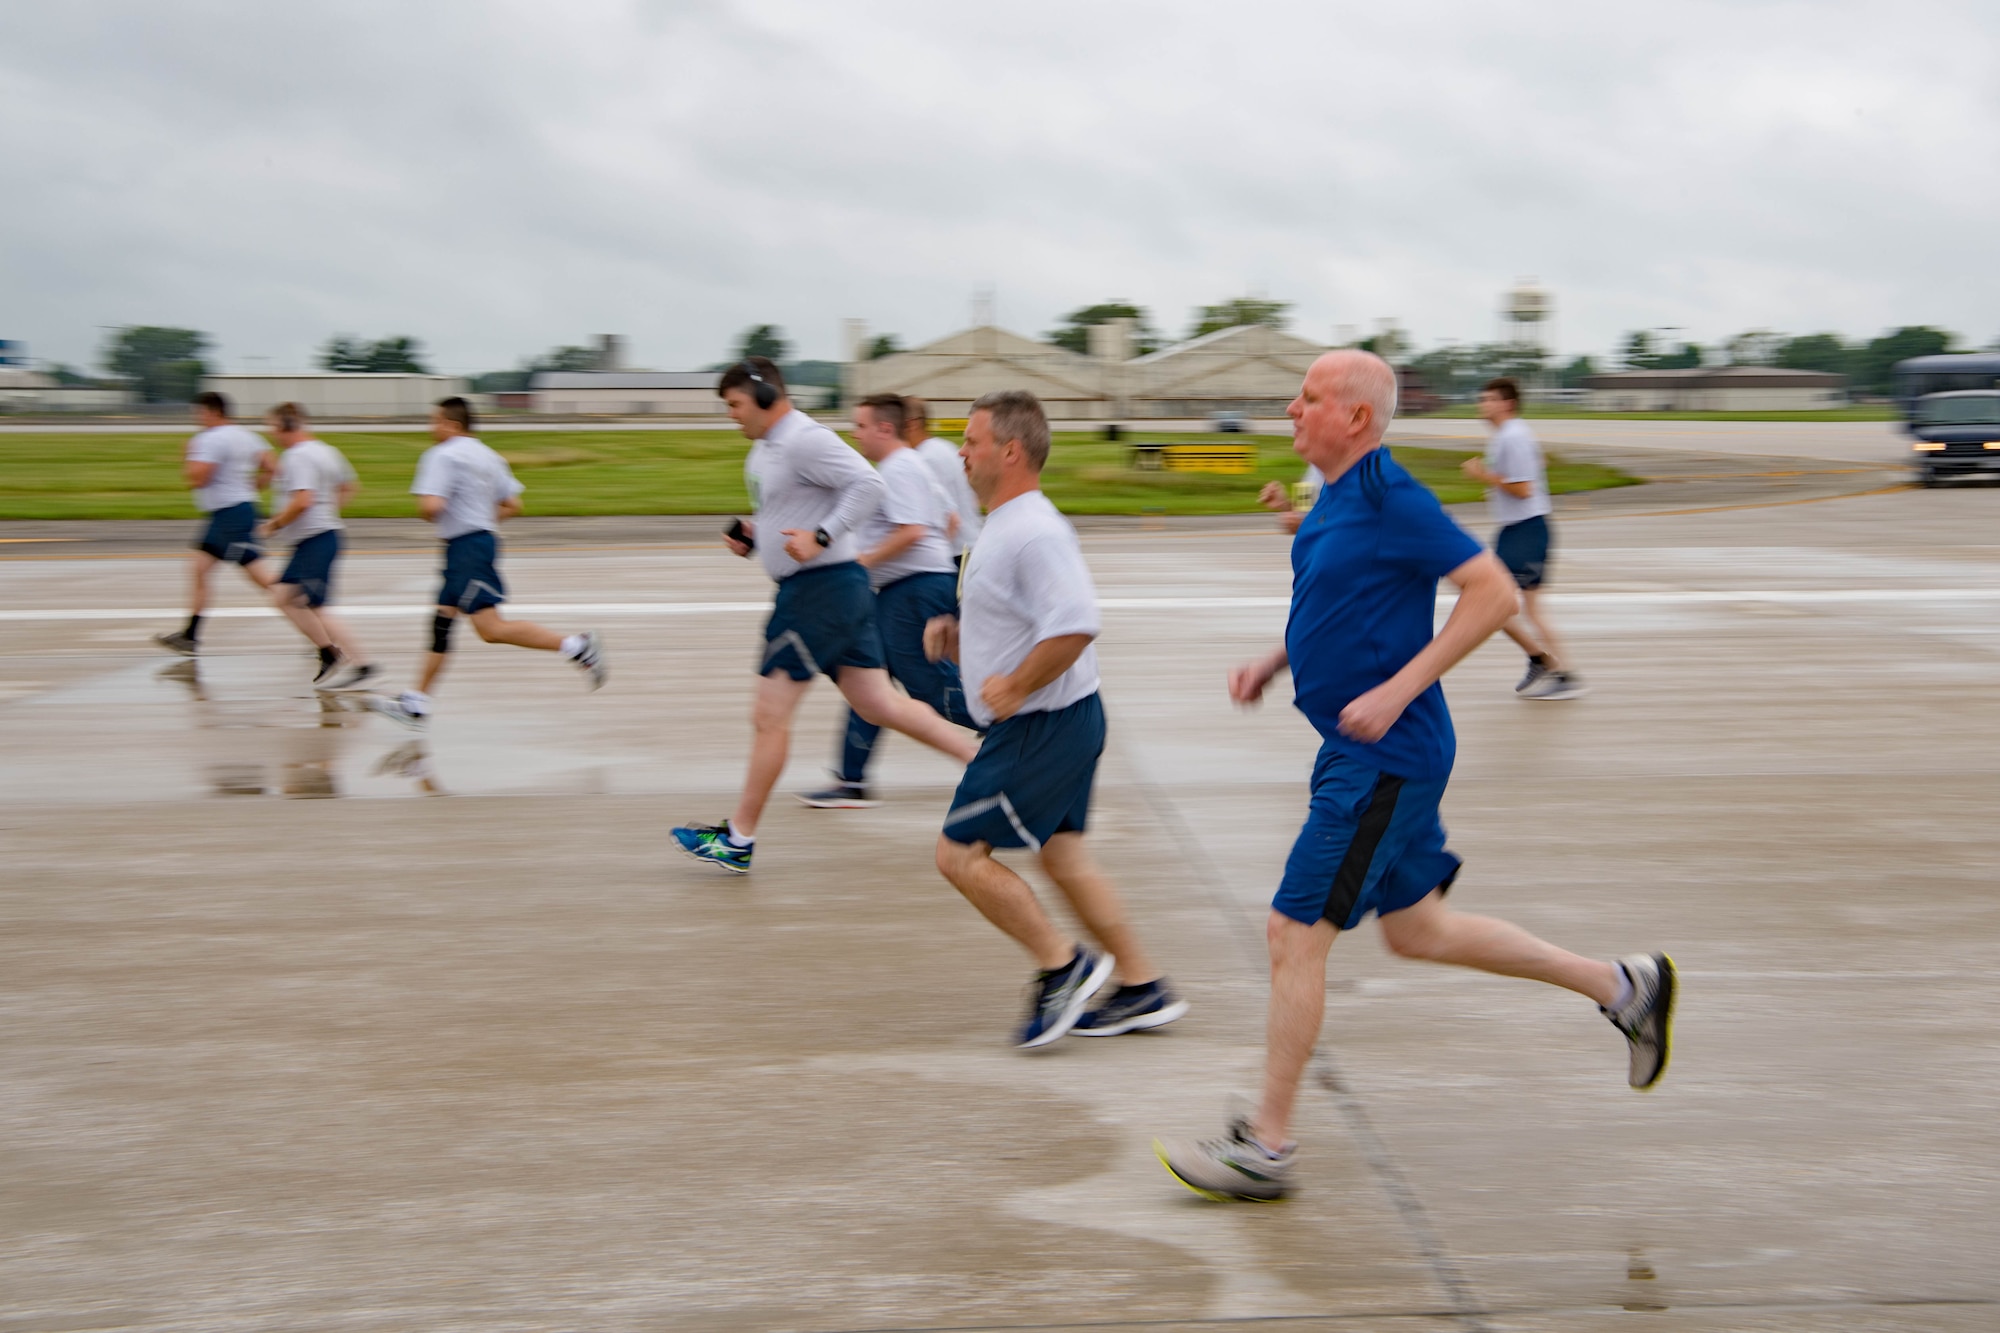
[(1981, 409)]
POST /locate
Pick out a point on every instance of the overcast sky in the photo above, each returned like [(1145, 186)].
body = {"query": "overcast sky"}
[(497, 176)]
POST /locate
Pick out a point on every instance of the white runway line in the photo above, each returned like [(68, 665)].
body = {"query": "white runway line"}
[(1664, 597)]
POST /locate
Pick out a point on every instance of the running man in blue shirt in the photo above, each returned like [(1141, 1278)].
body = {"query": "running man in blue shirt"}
[(1365, 670)]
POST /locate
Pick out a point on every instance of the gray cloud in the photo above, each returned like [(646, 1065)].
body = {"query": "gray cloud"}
[(495, 176)]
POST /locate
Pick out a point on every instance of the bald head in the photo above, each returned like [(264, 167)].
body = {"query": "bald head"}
[(1343, 409)]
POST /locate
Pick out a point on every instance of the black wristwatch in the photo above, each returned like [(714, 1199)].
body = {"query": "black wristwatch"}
[(819, 535)]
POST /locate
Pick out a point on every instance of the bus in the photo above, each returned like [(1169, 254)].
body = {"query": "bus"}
[(1951, 409)]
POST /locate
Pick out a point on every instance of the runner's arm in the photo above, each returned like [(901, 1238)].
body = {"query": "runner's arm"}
[(295, 504), (1487, 599), (1247, 682), (1045, 662), (899, 540)]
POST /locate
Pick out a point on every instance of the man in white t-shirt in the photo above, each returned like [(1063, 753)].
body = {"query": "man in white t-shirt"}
[(1517, 496), (226, 465), (1023, 641), (467, 490), (908, 553), (314, 480), (962, 518)]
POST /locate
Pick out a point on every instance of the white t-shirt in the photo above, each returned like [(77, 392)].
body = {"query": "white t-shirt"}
[(471, 479), (1513, 455), (235, 451), (941, 457), (1025, 582), (316, 466), (911, 496)]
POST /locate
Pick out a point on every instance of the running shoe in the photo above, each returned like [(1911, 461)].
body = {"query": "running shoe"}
[(710, 842), (1234, 1166), (329, 667), (590, 658), (1647, 1020), (1557, 685), (1535, 672), (399, 710), (176, 641), (356, 677), (840, 796), (1061, 994), (1133, 1009)]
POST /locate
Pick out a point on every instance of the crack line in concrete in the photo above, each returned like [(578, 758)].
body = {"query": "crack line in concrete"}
[(1389, 1177)]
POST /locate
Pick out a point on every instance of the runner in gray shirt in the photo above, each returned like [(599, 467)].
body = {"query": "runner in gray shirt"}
[(1517, 496), (812, 494), (225, 465), (963, 517), (911, 566), (314, 480)]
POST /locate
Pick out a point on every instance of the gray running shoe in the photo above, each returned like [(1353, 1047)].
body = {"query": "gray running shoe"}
[(840, 796), (1535, 672), (1234, 1166), (1060, 996), (329, 667), (399, 710), (177, 642), (590, 658), (1647, 1020), (1557, 685), (355, 677)]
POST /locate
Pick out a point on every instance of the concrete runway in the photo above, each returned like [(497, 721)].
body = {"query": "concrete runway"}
[(468, 1048)]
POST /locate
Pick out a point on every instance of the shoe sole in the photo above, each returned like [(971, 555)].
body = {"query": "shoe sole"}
[(1160, 1151), (1141, 1023), (692, 855), (1670, 993), (342, 686), (1100, 974), (176, 649), (838, 803)]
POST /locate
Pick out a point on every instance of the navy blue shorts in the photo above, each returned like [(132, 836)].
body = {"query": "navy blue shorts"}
[(231, 535), (1373, 842), (823, 620), (311, 566), (1524, 548), (1031, 778), (471, 578)]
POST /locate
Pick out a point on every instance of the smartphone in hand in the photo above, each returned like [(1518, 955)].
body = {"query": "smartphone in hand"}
[(738, 533)]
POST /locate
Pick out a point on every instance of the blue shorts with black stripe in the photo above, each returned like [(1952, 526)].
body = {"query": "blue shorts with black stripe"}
[(1372, 842), (1031, 778)]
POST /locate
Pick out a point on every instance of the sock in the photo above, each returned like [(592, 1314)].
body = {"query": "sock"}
[(737, 839), (193, 631), (572, 645), (416, 701), (1625, 991), (1539, 659), (329, 655)]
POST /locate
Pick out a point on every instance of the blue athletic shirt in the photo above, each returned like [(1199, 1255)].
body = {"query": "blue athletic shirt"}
[(1365, 566)]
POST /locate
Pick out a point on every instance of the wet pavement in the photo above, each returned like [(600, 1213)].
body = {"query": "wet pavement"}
[(308, 1023)]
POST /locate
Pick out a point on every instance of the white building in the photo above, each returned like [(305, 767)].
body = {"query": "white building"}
[(23, 390), (626, 393), (1252, 369), (332, 396), (1716, 389)]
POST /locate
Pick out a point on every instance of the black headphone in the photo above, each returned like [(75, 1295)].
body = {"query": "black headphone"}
[(764, 391)]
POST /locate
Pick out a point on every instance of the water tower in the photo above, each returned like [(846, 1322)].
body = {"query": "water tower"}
[(1527, 317)]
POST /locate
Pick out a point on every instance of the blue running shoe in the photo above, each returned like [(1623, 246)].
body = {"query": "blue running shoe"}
[(710, 843), (1060, 996), (1133, 1009)]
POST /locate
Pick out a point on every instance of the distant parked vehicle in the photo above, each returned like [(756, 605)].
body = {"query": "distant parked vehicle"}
[(1229, 423), (1951, 408)]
